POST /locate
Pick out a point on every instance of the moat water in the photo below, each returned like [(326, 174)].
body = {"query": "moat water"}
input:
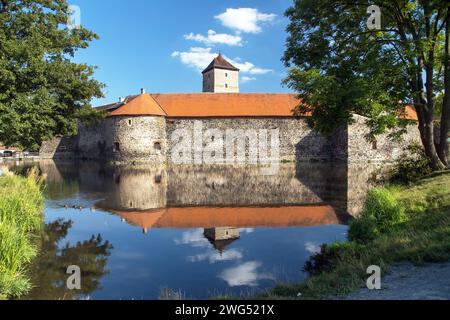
[(195, 232)]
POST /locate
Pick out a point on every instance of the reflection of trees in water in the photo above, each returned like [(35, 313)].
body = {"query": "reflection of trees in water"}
[(49, 271), (57, 186), (60, 190)]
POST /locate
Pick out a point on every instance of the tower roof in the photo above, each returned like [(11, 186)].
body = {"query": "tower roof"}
[(143, 104), (221, 245), (220, 63)]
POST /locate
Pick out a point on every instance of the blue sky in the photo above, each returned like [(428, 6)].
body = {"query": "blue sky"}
[(163, 45)]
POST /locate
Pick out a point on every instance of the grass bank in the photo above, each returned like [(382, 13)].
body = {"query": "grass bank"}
[(398, 223), (21, 219)]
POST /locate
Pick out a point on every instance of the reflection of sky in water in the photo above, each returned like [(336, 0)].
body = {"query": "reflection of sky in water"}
[(170, 245), (141, 265)]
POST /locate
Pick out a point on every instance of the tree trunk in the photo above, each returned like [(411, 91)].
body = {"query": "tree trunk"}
[(444, 144), (425, 115), (430, 147)]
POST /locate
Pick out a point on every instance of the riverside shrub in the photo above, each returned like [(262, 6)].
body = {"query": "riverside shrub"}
[(381, 214)]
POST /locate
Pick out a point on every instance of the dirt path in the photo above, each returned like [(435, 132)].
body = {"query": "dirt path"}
[(409, 282)]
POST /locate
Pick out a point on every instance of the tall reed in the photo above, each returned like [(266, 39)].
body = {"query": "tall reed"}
[(21, 218)]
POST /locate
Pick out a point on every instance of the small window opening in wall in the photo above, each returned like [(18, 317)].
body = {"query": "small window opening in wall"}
[(157, 146), (226, 85), (213, 138), (158, 179), (130, 122), (226, 75), (375, 145), (116, 147)]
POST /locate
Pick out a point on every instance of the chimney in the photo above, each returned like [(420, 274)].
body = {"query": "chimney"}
[(142, 90), (121, 99)]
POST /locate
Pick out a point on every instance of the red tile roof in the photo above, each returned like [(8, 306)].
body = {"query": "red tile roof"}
[(198, 105), (8, 148), (141, 105), (239, 217), (206, 105), (410, 113), (227, 104)]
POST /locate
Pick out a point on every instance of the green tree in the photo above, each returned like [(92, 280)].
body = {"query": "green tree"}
[(42, 92), (49, 274), (340, 67)]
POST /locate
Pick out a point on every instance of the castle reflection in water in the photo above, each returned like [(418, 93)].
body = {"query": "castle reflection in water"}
[(220, 199)]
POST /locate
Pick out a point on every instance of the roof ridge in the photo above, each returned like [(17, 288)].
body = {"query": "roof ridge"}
[(140, 107), (162, 109), (220, 62), (196, 93)]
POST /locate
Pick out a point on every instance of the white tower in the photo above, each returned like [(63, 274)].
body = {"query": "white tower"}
[(221, 77)]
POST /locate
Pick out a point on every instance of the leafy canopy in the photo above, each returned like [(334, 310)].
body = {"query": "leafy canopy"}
[(41, 90), (340, 67)]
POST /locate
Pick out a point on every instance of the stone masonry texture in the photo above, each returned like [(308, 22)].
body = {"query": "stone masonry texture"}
[(152, 139)]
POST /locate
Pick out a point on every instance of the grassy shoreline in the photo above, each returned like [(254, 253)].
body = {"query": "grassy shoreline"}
[(399, 223), (21, 219)]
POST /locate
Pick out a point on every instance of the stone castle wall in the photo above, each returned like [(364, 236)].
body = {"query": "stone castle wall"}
[(138, 138), (152, 139), (59, 148), (206, 185), (145, 187), (383, 149), (125, 139), (297, 140)]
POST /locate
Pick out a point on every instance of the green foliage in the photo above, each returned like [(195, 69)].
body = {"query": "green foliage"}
[(340, 67), (49, 267), (316, 90), (412, 166), (363, 230), (430, 193), (381, 214), (89, 116), (21, 206), (422, 236), (326, 259), (41, 90)]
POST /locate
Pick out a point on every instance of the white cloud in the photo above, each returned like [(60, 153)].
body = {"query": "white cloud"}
[(247, 79), (214, 256), (248, 67), (244, 19), (200, 58), (215, 38), (194, 238), (245, 274), (312, 247)]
